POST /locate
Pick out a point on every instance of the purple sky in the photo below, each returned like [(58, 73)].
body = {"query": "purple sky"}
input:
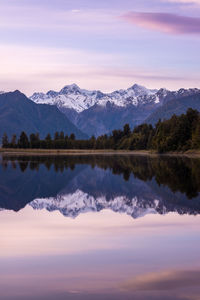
[(99, 44)]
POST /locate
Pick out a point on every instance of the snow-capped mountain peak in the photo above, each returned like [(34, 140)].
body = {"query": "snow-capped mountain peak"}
[(73, 88), (51, 93), (141, 90), (73, 97)]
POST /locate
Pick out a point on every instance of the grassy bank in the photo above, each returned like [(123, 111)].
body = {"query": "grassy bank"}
[(3, 151), (71, 152)]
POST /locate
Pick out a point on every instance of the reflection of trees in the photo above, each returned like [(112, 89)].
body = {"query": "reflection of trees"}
[(177, 173), (23, 165)]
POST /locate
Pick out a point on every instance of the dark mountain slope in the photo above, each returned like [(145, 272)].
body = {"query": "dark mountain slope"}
[(18, 113), (102, 119), (98, 120), (176, 106)]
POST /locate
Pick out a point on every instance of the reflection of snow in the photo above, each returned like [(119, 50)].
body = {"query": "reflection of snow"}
[(72, 205)]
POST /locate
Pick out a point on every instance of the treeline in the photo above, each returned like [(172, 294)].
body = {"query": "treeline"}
[(59, 141), (179, 133)]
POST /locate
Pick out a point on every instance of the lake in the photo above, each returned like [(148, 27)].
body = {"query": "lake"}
[(99, 227)]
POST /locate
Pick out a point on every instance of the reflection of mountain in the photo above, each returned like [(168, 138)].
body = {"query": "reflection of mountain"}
[(72, 205), (73, 185), (17, 188)]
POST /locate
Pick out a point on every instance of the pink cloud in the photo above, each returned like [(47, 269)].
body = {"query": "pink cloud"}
[(164, 22)]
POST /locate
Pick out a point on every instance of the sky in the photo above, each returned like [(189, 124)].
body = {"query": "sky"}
[(105, 45)]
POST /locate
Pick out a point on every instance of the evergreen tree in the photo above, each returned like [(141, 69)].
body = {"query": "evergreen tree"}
[(92, 142), (66, 141), (48, 141), (23, 141), (34, 140), (62, 136), (5, 142), (72, 136), (56, 136), (196, 137), (14, 141), (127, 130)]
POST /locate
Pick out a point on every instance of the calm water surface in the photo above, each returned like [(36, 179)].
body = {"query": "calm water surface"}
[(99, 227)]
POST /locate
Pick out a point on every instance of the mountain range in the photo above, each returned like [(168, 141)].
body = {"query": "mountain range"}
[(86, 113), (97, 113), (72, 97)]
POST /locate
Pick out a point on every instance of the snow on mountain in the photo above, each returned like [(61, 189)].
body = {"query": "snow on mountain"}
[(71, 205), (71, 96)]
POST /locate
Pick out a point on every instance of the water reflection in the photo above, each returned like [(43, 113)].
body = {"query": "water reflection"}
[(76, 184), (104, 253)]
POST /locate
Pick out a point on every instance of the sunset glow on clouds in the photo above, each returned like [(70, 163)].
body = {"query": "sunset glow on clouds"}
[(165, 22), (191, 2), (99, 45)]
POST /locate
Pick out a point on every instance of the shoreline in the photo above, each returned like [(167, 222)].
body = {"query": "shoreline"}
[(68, 152)]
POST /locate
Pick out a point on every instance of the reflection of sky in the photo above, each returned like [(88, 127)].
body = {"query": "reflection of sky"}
[(98, 256), (99, 44)]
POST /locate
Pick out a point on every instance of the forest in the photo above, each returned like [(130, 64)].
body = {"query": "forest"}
[(180, 133)]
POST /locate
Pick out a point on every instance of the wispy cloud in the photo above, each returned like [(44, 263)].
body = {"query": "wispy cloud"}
[(38, 68), (56, 42), (160, 281), (165, 22), (189, 2)]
